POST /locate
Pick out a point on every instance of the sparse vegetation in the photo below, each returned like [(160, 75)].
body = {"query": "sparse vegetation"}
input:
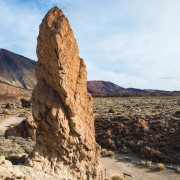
[(116, 177), (104, 152), (158, 107), (112, 110), (6, 112), (160, 166), (109, 132), (139, 121), (143, 163), (111, 154), (146, 163), (177, 112)]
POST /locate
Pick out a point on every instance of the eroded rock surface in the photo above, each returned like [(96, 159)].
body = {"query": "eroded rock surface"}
[(62, 107)]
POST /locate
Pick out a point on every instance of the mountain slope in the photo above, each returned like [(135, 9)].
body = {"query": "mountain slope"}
[(11, 93), (17, 70), (17, 74), (96, 87)]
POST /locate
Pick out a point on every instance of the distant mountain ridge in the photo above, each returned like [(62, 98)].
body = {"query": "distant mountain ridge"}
[(103, 87), (19, 72)]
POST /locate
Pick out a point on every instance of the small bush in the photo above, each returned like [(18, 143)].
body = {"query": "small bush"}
[(104, 152), (160, 166), (158, 107), (112, 110), (177, 112), (143, 163), (6, 112), (109, 132), (116, 177), (110, 154), (146, 163), (154, 111)]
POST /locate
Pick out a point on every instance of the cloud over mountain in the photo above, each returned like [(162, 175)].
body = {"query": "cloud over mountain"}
[(130, 43)]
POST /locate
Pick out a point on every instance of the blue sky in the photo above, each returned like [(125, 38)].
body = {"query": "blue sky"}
[(133, 43)]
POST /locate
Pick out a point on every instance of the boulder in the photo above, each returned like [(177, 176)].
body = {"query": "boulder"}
[(25, 129), (25, 103)]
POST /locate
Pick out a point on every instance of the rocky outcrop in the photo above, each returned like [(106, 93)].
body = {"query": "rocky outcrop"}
[(62, 107), (25, 129)]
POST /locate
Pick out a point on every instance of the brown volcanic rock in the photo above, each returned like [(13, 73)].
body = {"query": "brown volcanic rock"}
[(26, 128), (62, 107)]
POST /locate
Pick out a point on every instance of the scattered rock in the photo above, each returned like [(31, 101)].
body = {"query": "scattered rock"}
[(134, 127), (25, 129), (25, 103), (30, 128)]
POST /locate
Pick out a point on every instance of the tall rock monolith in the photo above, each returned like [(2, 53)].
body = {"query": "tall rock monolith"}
[(62, 107)]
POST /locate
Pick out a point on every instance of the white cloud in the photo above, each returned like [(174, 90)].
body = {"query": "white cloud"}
[(132, 43), (19, 27)]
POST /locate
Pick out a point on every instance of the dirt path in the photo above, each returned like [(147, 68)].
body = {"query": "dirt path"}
[(4, 124), (113, 166)]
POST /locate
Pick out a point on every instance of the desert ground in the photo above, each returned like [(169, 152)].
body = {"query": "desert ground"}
[(156, 114), (114, 166), (145, 126)]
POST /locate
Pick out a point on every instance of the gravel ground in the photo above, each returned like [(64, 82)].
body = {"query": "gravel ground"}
[(113, 166)]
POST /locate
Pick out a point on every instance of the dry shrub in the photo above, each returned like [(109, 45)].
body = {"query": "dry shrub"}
[(104, 152), (6, 112), (143, 163), (148, 163), (112, 110), (111, 153), (177, 112), (178, 170), (116, 177), (160, 166)]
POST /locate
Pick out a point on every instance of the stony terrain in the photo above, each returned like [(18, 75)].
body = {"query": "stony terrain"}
[(16, 149), (146, 126), (114, 166), (14, 108)]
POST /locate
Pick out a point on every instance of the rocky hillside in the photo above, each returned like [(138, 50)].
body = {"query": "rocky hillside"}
[(11, 93), (17, 70), (103, 87)]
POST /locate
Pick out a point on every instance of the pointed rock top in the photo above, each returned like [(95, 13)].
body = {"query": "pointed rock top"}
[(58, 53)]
